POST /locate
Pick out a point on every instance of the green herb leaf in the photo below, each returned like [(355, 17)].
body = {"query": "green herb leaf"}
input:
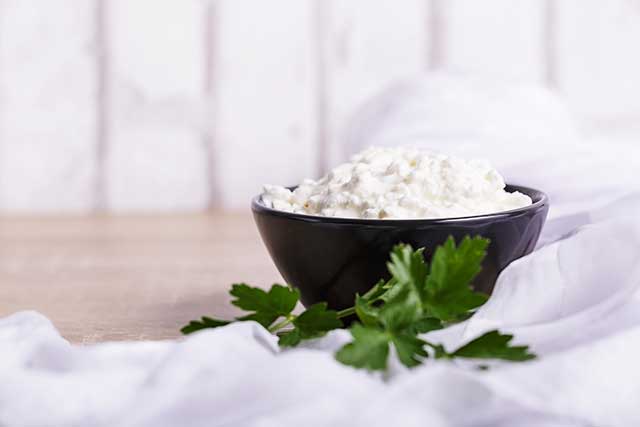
[(376, 291), (426, 324), (369, 348), (391, 324), (411, 307), (314, 322), (493, 345), (408, 269), (417, 299), (409, 348), (390, 290), (203, 323), (403, 303), (267, 306), (317, 319), (439, 351), (290, 338), (367, 314), (448, 293), (402, 311)]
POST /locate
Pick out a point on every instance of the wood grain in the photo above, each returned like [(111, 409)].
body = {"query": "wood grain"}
[(103, 278)]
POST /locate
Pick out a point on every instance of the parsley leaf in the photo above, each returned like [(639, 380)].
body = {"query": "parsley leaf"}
[(391, 324), (409, 271), (369, 348), (374, 294), (367, 314), (448, 294), (418, 298), (266, 306), (289, 338), (401, 312), (317, 318), (426, 324), (493, 345), (315, 322), (203, 323), (409, 348)]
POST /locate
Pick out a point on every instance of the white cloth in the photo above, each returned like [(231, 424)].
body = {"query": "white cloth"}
[(575, 301)]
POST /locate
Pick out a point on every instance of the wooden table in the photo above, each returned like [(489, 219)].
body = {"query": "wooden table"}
[(105, 278)]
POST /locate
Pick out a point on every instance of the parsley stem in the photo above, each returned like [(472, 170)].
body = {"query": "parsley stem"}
[(346, 312), (290, 318), (352, 310), (287, 320)]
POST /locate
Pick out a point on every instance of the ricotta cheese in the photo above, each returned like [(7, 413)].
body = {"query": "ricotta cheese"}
[(399, 183)]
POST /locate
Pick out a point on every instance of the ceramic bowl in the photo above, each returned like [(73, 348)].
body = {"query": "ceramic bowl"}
[(332, 259)]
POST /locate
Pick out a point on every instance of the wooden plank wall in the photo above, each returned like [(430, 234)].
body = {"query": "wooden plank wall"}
[(263, 115), (48, 124), (169, 105)]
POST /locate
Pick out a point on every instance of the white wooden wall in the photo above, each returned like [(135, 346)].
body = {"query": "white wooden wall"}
[(163, 105)]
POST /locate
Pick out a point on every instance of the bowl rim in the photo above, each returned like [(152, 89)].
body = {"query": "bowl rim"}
[(258, 207)]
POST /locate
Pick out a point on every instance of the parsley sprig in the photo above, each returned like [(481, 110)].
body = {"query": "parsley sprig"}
[(418, 298)]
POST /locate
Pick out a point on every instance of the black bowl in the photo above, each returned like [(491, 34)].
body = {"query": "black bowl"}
[(332, 259)]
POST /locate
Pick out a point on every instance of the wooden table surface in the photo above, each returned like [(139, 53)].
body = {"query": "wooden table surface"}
[(104, 278)]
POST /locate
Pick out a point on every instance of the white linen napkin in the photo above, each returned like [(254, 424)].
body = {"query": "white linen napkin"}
[(575, 301)]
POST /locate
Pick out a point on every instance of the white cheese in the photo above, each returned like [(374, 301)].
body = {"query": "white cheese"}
[(395, 183)]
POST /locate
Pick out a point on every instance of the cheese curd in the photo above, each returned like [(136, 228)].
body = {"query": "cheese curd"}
[(399, 183)]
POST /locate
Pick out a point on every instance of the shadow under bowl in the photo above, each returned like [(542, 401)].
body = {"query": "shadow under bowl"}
[(331, 259)]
